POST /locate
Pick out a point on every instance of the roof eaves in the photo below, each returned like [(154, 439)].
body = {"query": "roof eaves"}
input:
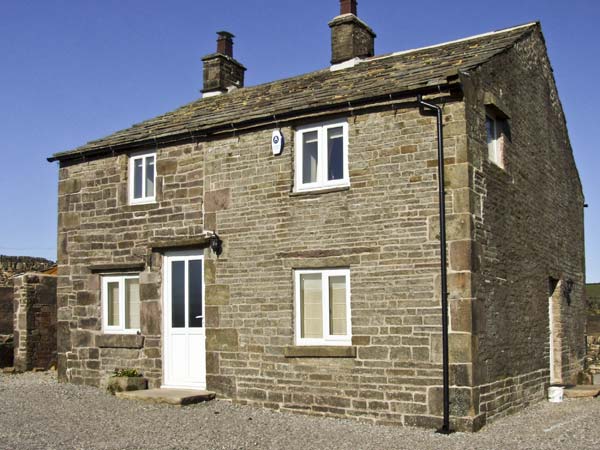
[(431, 85)]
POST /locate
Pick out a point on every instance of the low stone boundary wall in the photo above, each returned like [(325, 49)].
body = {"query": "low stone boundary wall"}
[(6, 326), (34, 321)]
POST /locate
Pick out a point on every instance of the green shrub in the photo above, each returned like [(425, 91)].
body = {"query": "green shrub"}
[(126, 373)]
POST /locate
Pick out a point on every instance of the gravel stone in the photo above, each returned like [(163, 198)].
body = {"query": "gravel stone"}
[(37, 412)]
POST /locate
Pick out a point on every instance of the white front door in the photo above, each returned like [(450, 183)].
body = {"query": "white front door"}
[(184, 352)]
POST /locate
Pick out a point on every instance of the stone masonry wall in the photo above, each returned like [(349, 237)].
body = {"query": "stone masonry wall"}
[(35, 321), (97, 226), (528, 228), (11, 266), (384, 228)]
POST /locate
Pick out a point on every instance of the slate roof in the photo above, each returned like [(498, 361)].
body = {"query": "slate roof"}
[(372, 77)]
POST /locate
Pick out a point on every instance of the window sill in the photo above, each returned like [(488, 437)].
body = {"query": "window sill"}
[(319, 191), (120, 341), (145, 201), (320, 351), (496, 168)]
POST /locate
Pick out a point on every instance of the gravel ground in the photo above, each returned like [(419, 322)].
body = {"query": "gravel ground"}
[(36, 412)]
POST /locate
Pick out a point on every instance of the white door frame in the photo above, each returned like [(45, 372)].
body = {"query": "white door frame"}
[(551, 336), (554, 329), (173, 378)]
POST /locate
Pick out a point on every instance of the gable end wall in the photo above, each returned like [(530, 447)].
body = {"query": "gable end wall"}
[(528, 228)]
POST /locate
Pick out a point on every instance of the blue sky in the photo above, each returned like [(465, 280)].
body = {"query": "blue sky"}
[(72, 71)]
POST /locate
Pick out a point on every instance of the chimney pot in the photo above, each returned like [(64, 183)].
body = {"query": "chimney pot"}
[(225, 43), (348, 7)]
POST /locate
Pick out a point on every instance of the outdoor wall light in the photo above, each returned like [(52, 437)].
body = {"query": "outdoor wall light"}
[(567, 289), (216, 244)]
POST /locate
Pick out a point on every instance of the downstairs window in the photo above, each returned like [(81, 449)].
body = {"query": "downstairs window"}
[(322, 312), (121, 304)]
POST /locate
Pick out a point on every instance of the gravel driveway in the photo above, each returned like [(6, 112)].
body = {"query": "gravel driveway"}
[(36, 412)]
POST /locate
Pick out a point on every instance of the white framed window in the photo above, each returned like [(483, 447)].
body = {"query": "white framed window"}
[(121, 304), (322, 307), (142, 177), (321, 156), (495, 130)]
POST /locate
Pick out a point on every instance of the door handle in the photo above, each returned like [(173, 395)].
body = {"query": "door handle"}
[(198, 317)]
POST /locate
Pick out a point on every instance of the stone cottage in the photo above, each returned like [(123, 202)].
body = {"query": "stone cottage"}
[(279, 244)]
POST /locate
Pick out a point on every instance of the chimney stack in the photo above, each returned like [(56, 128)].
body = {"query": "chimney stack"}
[(350, 37), (221, 72)]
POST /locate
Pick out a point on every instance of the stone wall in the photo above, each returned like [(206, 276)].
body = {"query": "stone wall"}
[(528, 229), (35, 321), (15, 265), (11, 266)]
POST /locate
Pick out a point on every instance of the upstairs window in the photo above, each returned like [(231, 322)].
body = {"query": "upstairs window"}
[(323, 307), (496, 129), (322, 156), (142, 176), (121, 304)]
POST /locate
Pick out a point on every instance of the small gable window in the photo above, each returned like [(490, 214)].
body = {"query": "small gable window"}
[(322, 156), (142, 176), (497, 135), (121, 304)]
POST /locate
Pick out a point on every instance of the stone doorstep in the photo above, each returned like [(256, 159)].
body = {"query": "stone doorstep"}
[(582, 391), (179, 397)]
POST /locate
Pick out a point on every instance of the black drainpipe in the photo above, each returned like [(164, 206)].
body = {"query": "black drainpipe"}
[(444, 288)]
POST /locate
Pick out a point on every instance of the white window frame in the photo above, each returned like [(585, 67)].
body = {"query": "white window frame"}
[(144, 198), (116, 329), (322, 182), (327, 338), (496, 146)]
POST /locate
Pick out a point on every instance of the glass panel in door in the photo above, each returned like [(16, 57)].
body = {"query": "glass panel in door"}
[(195, 293), (178, 294)]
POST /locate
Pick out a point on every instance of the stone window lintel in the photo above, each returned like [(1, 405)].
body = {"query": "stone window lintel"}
[(494, 104)]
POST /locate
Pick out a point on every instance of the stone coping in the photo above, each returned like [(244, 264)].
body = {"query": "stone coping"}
[(320, 351), (120, 341)]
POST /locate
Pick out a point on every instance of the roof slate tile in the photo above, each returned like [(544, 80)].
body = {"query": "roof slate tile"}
[(377, 76)]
